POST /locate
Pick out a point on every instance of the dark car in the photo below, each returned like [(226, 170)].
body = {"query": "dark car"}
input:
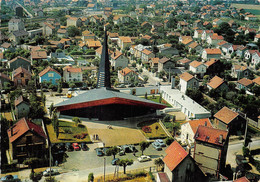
[(126, 148), (241, 160), (45, 90), (84, 88), (140, 85), (84, 146), (69, 147), (131, 85), (133, 148), (115, 161), (105, 151), (10, 178), (61, 148), (99, 152)]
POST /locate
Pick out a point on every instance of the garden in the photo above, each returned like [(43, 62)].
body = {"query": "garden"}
[(152, 129), (68, 132)]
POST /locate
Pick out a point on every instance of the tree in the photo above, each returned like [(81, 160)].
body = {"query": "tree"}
[(194, 94), (175, 127), (145, 79), (90, 177), (158, 162), (169, 140), (55, 122), (35, 177), (76, 120), (167, 118), (245, 151), (156, 128), (113, 151), (145, 95), (125, 163), (73, 31), (144, 145), (51, 108), (256, 90)]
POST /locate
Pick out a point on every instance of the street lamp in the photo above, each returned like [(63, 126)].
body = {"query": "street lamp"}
[(104, 169)]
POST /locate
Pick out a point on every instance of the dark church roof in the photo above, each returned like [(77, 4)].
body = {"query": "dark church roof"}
[(105, 96)]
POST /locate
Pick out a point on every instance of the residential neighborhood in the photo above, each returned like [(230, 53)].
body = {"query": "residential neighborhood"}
[(112, 90)]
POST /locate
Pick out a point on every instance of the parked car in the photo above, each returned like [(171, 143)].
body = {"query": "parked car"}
[(99, 152), (140, 85), (143, 158), (121, 151), (105, 151), (126, 148), (69, 147), (71, 89), (131, 85), (161, 142), (121, 86), (50, 170), (45, 90), (115, 161), (75, 146), (10, 178), (156, 145), (84, 88), (133, 148), (84, 146)]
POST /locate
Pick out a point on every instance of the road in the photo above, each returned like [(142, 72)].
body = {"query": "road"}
[(235, 148)]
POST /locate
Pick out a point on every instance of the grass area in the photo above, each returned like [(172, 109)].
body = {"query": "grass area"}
[(67, 137), (156, 99), (246, 6), (253, 11), (154, 133)]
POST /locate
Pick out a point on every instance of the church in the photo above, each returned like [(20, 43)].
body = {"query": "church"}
[(104, 102)]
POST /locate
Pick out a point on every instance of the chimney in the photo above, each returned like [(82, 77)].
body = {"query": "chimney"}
[(205, 123), (220, 138), (173, 82)]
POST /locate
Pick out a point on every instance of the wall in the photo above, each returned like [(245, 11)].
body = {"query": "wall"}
[(140, 91)]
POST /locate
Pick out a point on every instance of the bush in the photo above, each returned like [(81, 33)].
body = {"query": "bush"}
[(151, 175), (91, 177), (169, 140), (50, 179), (147, 129)]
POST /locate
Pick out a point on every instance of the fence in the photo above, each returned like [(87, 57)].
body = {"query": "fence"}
[(118, 175)]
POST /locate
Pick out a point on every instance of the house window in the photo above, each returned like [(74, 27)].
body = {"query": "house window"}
[(194, 83), (22, 75), (50, 75), (246, 73), (28, 139)]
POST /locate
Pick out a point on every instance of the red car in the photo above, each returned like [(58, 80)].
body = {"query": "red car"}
[(75, 146)]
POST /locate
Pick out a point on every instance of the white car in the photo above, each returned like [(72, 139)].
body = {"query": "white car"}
[(143, 158), (48, 170)]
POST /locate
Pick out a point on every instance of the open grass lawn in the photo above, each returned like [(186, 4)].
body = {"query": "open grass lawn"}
[(154, 133), (156, 99), (70, 127), (246, 6)]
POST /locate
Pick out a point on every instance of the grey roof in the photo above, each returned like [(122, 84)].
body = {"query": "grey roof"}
[(19, 33), (99, 94), (15, 20)]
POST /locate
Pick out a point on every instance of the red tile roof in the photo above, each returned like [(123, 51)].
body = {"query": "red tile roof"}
[(257, 80), (21, 127), (210, 135), (195, 64), (20, 70), (18, 101), (213, 51), (116, 55), (215, 82), (155, 60), (226, 115), (194, 124), (185, 60), (244, 81), (147, 52), (126, 71), (46, 70), (39, 55), (175, 155), (186, 76), (211, 62), (243, 179)]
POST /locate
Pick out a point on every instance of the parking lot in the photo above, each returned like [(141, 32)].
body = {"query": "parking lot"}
[(81, 160)]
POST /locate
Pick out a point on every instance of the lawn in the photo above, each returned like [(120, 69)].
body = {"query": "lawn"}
[(156, 99), (67, 131), (154, 133)]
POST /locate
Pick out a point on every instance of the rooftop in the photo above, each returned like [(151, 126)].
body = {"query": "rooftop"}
[(226, 115), (186, 76), (244, 81), (215, 82)]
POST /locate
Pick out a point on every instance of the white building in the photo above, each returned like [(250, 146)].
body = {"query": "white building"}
[(198, 67), (189, 128), (118, 60), (179, 100), (72, 74), (188, 81)]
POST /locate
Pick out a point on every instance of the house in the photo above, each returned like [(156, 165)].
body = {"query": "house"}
[(87, 35), (62, 33), (154, 63), (188, 81), (198, 68), (15, 24), (189, 128), (242, 179), (48, 29), (26, 140), (206, 33), (182, 24), (118, 60), (245, 84), (99, 52), (248, 54), (113, 36), (39, 55), (239, 71), (118, 19), (146, 55), (250, 18), (205, 16), (197, 34), (195, 46), (146, 25), (6, 46), (60, 56), (213, 66), (183, 103), (168, 51), (4, 79), (241, 51), (19, 62), (184, 62), (208, 54), (217, 83), (227, 48), (49, 75), (257, 36), (127, 75), (214, 39), (226, 119), (17, 36), (72, 74), (180, 166), (198, 23), (92, 7), (210, 149), (21, 107), (35, 32), (255, 58), (165, 64), (74, 21), (21, 77), (93, 44), (187, 42), (124, 42), (217, 21)]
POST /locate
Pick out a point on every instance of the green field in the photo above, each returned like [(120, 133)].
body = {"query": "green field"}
[(253, 11)]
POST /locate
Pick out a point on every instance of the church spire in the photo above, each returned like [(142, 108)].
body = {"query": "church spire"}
[(104, 67)]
